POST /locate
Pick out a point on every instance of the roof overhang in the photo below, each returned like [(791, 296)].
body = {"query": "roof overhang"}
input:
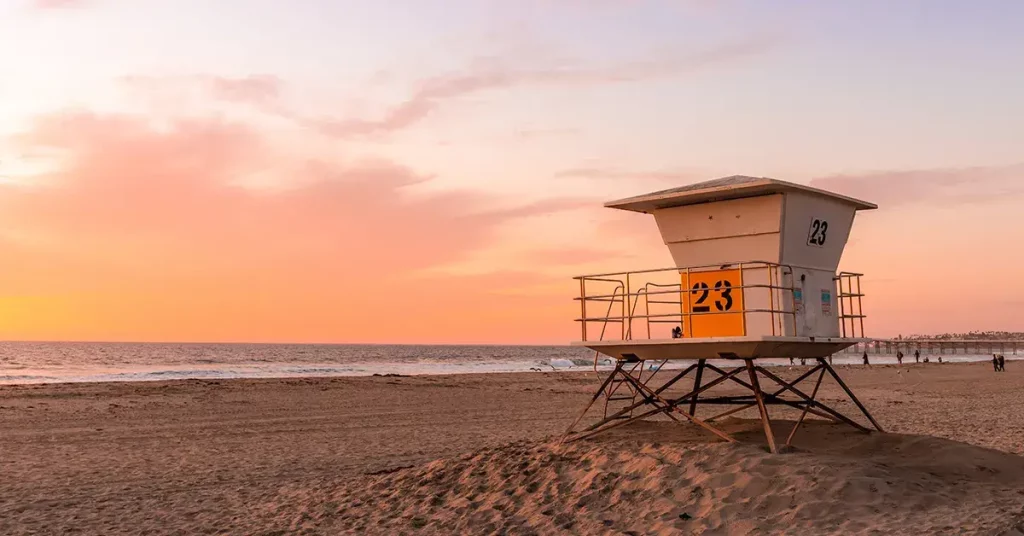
[(737, 187)]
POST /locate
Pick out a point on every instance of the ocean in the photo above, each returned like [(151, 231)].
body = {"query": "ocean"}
[(59, 362)]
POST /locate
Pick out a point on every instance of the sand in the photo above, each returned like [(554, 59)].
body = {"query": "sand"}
[(474, 454)]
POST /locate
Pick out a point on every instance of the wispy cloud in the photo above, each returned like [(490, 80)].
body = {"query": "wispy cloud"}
[(485, 74), (573, 256), (535, 133), (261, 91), (946, 186), (540, 208), (497, 73), (58, 4), (256, 89), (611, 174)]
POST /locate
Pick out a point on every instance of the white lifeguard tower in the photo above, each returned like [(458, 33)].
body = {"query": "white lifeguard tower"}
[(754, 278)]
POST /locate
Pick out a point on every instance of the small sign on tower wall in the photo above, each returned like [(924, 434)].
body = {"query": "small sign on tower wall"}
[(818, 233)]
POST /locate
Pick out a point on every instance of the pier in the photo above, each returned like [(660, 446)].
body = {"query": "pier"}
[(936, 347)]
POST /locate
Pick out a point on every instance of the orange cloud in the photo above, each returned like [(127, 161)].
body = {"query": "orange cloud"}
[(145, 233)]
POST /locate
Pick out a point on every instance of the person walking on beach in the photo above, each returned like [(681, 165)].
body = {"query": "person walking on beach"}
[(917, 356), (1002, 363), (899, 357), (866, 359), (995, 363)]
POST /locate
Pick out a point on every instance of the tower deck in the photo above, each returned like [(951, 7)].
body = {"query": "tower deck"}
[(753, 347)]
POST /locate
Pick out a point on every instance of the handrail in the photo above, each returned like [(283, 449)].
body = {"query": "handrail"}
[(673, 315), (632, 312), (765, 288), (604, 327), (856, 314), (647, 301), (603, 297)]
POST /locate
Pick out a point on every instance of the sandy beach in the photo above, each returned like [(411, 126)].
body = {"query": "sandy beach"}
[(474, 454)]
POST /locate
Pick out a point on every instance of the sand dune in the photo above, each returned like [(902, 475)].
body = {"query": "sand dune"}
[(840, 482)]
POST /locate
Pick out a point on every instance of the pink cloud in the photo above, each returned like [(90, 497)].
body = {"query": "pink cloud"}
[(668, 176), (123, 177), (498, 74), (57, 4), (428, 95), (536, 133), (572, 256), (930, 186), (257, 89), (143, 227), (260, 90)]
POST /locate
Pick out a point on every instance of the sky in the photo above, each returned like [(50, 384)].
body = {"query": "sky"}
[(427, 171)]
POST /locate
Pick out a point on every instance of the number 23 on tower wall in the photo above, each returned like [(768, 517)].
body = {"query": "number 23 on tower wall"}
[(710, 298), (818, 233)]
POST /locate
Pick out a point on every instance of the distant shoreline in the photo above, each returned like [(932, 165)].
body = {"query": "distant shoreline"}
[(272, 371)]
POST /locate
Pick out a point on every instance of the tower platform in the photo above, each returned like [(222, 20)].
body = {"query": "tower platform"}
[(746, 347)]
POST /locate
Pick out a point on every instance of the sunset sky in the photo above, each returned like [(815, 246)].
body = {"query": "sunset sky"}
[(433, 171)]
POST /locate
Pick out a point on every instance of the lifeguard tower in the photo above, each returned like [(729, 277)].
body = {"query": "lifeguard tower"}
[(754, 278)]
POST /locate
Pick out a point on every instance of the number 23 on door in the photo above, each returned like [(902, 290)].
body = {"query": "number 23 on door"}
[(710, 297)]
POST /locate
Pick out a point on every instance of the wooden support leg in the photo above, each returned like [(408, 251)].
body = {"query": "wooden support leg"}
[(674, 407), (603, 425), (774, 398), (614, 386), (829, 413), (600, 427), (814, 393), (696, 385), (600, 391), (850, 394), (595, 428), (772, 395), (765, 419), (635, 405)]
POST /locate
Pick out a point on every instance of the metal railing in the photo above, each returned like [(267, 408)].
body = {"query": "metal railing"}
[(661, 294), (851, 311)]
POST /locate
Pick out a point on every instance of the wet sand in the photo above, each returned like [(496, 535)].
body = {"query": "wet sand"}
[(313, 455)]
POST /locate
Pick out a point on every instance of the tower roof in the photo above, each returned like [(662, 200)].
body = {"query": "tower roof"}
[(734, 187)]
